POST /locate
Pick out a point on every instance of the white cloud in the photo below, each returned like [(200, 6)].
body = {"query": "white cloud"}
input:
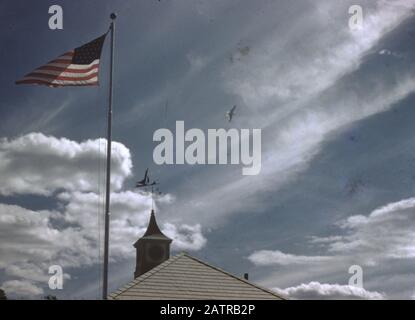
[(386, 233), (263, 82), (32, 241), (269, 257), (26, 270), (21, 289), (185, 237), (388, 52), (319, 240), (26, 161), (300, 102), (384, 236), (26, 235), (268, 80), (70, 235), (322, 291), (129, 219), (296, 140)]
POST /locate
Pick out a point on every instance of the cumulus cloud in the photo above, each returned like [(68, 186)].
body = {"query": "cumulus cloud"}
[(26, 161), (34, 240), (70, 235), (185, 237), (26, 234), (269, 257), (23, 289), (280, 77), (323, 291), (27, 270)]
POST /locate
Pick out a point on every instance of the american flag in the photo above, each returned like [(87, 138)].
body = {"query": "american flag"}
[(78, 67)]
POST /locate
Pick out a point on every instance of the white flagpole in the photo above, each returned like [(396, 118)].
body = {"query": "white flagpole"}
[(108, 180)]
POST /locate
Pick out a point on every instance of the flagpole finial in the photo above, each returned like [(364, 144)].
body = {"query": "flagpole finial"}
[(113, 16)]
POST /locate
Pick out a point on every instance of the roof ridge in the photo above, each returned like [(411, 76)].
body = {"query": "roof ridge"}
[(173, 259), (233, 276), (146, 275)]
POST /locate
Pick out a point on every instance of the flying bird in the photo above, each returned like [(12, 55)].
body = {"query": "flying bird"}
[(230, 113)]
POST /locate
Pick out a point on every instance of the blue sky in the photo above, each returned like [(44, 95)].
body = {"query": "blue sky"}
[(335, 107)]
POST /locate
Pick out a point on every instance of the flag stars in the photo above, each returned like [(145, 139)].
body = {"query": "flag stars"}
[(89, 52)]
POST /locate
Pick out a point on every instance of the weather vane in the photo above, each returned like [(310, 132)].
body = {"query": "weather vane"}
[(147, 183)]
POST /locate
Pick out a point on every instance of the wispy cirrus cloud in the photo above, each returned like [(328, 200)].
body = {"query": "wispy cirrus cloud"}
[(384, 236), (395, 223), (302, 100), (290, 85), (359, 239), (269, 257)]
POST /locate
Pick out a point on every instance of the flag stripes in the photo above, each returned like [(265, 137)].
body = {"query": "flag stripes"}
[(79, 67)]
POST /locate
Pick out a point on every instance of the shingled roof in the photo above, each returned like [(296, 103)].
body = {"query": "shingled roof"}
[(184, 277)]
